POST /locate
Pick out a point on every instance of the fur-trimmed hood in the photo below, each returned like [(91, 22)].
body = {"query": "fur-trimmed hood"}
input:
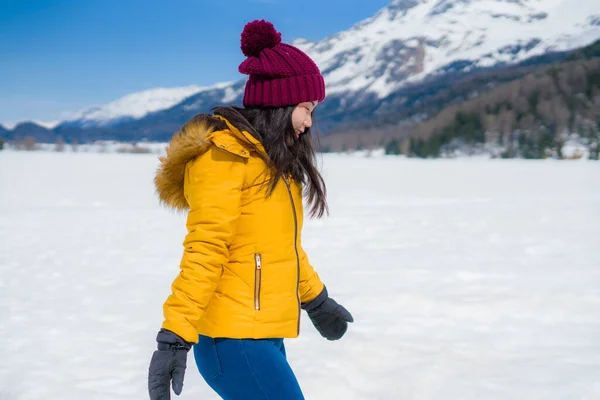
[(192, 140)]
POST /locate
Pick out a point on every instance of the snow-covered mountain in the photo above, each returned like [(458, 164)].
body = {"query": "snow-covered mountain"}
[(47, 124), (137, 105), (411, 39), (405, 43)]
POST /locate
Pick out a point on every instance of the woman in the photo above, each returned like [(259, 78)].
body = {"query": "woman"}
[(241, 174)]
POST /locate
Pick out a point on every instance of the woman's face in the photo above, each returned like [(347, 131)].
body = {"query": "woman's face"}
[(302, 117)]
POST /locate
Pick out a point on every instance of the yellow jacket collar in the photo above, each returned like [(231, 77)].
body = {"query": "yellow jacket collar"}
[(244, 136), (192, 140)]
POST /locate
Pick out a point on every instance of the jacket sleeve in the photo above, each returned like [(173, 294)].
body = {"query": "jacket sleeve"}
[(310, 283), (212, 187)]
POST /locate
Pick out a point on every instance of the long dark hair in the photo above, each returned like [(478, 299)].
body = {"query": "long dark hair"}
[(272, 126)]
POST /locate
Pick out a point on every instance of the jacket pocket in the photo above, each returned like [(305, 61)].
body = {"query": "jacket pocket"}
[(257, 280)]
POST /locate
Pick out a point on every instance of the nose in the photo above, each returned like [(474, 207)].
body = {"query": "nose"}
[(308, 122)]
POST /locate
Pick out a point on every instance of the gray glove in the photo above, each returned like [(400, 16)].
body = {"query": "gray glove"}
[(168, 363), (330, 318)]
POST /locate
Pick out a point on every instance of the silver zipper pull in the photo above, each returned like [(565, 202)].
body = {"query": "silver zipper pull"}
[(258, 261)]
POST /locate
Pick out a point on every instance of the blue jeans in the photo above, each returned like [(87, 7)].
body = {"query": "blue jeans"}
[(246, 369)]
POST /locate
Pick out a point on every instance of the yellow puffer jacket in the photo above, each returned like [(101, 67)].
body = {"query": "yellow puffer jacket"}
[(243, 272)]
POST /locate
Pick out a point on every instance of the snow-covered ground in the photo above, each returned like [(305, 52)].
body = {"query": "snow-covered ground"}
[(468, 279)]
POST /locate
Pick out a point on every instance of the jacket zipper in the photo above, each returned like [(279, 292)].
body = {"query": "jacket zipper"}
[(257, 280), (287, 184)]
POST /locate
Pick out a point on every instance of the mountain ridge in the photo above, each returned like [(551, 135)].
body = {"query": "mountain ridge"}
[(371, 67)]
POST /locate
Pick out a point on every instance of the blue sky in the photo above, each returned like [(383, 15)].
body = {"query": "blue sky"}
[(61, 56)]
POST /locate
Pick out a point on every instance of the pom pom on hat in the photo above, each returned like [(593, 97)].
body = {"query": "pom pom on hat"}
[(257, 36)]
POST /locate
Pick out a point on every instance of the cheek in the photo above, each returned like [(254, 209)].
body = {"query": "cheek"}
[(295, 119), (298, 118)]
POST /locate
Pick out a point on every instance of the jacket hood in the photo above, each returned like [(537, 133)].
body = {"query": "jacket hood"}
[(192, 140)]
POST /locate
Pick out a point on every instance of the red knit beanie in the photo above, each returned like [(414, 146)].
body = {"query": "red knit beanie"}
[(280, 74)]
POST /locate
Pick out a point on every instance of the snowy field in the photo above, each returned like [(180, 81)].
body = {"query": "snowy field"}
[(468, 279)]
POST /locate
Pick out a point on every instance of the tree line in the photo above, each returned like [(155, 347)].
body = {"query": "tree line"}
[(530, 117)]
